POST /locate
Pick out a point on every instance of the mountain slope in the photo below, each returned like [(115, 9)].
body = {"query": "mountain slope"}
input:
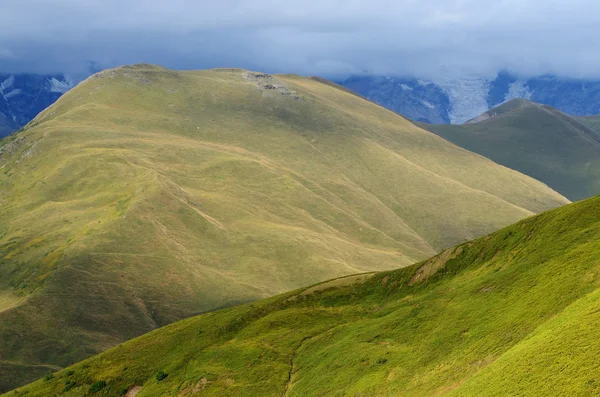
[(513, 313), (537, 140), (592, 122), (507, 107), (145, 195)]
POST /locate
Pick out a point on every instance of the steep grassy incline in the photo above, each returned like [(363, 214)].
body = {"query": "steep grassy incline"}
[(513, 313), (536, 140), (144, 196)]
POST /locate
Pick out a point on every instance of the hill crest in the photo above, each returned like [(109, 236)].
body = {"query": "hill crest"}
[(538, 140)]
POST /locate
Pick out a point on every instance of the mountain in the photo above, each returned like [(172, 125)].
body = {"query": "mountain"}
[(577, 97), (514, 313), (416, 99), (455, 100), (23, 96), (441, 100), (537, 140), (144, 195)]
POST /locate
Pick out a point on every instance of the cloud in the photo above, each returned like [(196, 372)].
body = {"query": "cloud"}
[(327, 37)]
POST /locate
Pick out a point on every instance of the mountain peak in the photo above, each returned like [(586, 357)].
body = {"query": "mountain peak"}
[(506, 107)]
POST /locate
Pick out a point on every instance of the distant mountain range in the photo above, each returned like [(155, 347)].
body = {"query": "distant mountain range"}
[(23, 96), (456, 100), (437, 101)]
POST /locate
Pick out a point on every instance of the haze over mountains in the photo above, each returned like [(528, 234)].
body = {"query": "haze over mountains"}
[(145, 195)]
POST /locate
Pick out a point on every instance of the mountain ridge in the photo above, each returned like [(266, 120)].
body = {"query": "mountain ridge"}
[(538, 140), (441, 100)]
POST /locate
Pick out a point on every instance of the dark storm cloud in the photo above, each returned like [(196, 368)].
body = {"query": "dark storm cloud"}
[(327, 37)]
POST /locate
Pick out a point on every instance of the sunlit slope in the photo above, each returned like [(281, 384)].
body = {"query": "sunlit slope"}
[(537, 140), (513, 313), (145, 195)]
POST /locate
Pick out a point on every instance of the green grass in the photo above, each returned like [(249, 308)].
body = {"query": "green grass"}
[(592, 122), (144, 196), (536, 140), (505, 108), (513, 313)]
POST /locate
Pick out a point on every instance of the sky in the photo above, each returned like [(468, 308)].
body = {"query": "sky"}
[(330, 38)]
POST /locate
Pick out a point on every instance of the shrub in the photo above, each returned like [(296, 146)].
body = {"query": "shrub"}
[(69, 385), (49, 376), (96, 387), (160, 375)]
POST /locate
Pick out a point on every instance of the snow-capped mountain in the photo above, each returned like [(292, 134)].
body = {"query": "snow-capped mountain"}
[(438, 101), (23, 96), (416, 99), (456, 100)]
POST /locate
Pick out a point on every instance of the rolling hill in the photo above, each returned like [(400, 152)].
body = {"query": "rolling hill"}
[(513, 313), (537, 140), (592, 122), (144, 196)]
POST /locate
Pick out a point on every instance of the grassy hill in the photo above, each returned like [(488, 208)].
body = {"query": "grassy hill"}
[(507, 107), (536, 140), (513, 313), (592, 122), (144, 196)]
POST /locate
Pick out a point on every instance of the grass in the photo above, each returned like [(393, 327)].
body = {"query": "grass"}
[(144, 196), (539, 141), (592, 122), (512, 313), (505, 108)]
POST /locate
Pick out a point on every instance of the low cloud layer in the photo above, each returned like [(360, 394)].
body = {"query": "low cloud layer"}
[(333, 38)]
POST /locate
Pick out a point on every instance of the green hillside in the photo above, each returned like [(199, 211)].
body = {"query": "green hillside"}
[(515, 313), (592, 122), (144, 196), (507, 107), (537, 140)]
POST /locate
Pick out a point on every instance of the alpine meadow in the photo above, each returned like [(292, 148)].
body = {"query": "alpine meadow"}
[(144, 196), (514, 313)]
